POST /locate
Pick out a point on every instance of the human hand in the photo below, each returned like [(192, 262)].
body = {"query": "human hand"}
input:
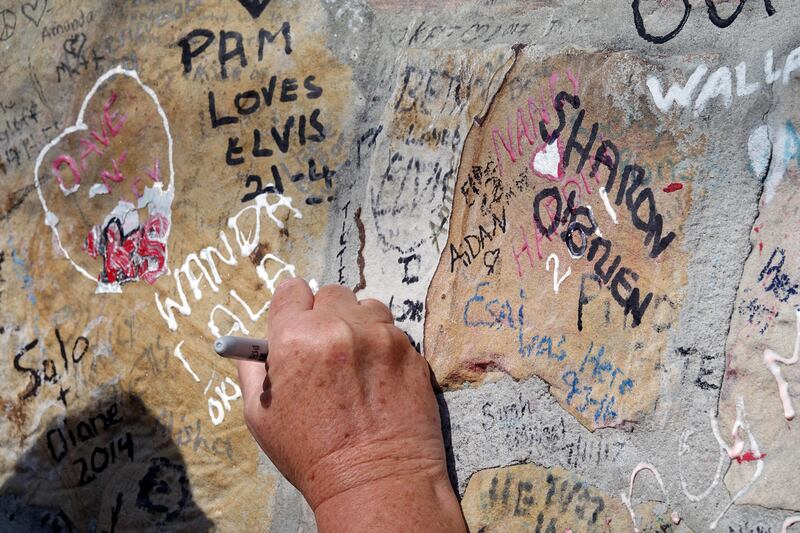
[(345, 410)]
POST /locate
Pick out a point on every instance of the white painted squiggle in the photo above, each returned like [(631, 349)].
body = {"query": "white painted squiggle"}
[(272, 281), (250, 242), (237, 327), (626, 498), (51, 219), (737, 447), (218, 406), (205, 254), (683, 450), (738, 444), (771, 359), (183, 360), (248, 310), (607, 205), (790, 522)]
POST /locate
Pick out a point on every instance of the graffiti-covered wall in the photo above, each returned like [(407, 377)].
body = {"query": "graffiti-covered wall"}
[(582, 213)]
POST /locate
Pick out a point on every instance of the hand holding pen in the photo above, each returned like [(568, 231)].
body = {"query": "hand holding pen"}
[(346, 411)]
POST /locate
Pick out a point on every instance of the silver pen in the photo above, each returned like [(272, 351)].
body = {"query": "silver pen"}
[(242, 348)]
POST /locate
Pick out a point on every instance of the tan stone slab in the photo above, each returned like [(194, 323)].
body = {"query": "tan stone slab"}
[(508, 297), (530, 497)]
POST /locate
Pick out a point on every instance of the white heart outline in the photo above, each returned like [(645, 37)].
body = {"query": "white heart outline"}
[(51, 219)]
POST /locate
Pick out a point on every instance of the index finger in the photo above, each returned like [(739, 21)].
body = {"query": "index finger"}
[(291, 297), (251, 379)]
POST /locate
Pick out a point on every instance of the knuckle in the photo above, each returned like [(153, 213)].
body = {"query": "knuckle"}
[(324, 290), (340, 333), (380, 311), (375, 304), (336, 341), (395, 341), (383, 338), (333, 290)]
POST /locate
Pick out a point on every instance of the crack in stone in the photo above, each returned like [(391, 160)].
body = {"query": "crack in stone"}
[(15, 199), (750, 243)]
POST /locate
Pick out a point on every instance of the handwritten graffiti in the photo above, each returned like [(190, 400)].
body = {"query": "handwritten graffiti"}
[(34, 11), (713, 15), (596, 370), (520, 496), (775, 280), (219, 404), (186, 433), (594, 387), (164, 490), (520, 429), (8, 24), (65, 440), (195, 43), (704, 379), (736, 450), (46, 373), (139, 254), (486, 191), (626, 498), (723, 84), (758, 314), (76, 59), (581, 233), (83, 19), (126, 249)]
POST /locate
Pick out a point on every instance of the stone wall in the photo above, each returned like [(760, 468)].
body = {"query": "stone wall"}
[(582, 213)]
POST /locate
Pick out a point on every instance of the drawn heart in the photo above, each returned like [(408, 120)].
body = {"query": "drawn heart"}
[(74, 45), (254, 7), (33, 12), (106, 183)]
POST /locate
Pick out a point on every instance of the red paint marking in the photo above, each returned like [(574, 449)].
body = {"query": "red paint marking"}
[(749, 456), (672, 187), (141, 254)]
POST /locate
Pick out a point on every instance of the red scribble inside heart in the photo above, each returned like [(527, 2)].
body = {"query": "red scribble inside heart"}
[(138, 254)]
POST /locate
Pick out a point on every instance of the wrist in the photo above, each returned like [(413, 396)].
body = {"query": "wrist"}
[(409, 501)]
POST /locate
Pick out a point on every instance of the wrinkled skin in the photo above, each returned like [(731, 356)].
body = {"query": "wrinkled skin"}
[(345, 410)]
